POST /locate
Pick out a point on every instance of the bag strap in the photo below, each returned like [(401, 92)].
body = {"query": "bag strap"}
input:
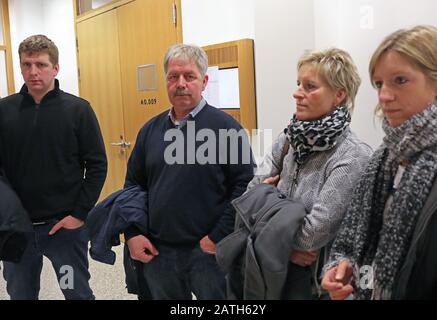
[(283, 154)]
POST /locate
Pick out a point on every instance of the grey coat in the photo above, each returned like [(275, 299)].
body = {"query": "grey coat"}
[(255, 256)]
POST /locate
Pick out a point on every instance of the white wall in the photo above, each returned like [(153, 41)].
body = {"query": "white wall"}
[(55, 19), (283, 30), (24, 16), (59, 26), (359, 26), (207, 22), (276, 50)]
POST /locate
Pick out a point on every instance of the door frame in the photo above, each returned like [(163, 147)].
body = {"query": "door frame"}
[(7, 46)]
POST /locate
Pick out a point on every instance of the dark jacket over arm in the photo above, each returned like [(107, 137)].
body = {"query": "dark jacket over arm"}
[(111, 217), (14, 224)]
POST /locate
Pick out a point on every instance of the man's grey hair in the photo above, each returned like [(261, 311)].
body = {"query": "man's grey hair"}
[(187, 52)]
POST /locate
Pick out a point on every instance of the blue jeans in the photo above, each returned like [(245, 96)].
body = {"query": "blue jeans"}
[(176, 273), (67, 250)]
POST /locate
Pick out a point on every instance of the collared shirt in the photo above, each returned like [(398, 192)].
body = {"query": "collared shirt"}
[(181, 123)]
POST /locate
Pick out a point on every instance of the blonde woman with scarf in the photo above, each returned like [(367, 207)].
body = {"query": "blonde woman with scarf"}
[(387, 245), (324, 160)]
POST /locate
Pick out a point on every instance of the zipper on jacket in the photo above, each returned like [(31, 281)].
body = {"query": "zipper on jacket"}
[(35, 118)]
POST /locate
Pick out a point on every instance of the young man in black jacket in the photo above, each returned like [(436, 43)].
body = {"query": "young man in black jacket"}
[(52, 152), (193, 160)]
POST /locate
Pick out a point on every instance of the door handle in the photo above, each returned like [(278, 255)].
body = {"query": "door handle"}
[(122, 144), (117, 144)]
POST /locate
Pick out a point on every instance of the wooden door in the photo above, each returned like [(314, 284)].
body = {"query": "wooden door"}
[(147, 28), (7, 86), (111, 47), (100, 84)]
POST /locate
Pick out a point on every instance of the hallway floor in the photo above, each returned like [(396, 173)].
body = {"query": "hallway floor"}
[(107, 281)]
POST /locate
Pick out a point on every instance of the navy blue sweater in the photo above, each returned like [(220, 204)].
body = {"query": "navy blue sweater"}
[(189, 200)]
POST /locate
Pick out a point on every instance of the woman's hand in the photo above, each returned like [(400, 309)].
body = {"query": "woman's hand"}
[(337, 281), (272, 180)]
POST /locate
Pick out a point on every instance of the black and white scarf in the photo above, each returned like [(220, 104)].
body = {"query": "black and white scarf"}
[(307, 137), (371, 237)]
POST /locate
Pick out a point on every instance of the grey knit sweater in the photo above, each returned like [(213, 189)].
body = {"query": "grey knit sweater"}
[(324, 184)]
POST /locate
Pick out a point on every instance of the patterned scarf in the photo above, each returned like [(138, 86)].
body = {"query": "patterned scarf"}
[(307, 137), (363, 238)]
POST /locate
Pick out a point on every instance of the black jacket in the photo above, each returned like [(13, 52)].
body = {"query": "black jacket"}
[(417, 279), (14, 224), (45, 151)]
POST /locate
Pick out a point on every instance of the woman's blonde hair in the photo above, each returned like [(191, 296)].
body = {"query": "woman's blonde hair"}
[(337, 69), (418, 45)]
